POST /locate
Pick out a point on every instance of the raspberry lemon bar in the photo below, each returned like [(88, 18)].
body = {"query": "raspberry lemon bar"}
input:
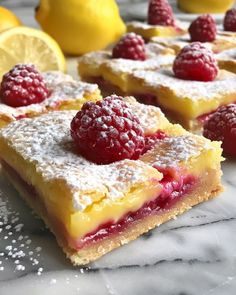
[(103, 176), (202, 29), (151, 75), (112, 70), (160, 22), (24, 92), (227, 60)]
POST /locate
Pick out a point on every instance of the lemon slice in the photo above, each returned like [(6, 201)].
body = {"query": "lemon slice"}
[(27, 45)]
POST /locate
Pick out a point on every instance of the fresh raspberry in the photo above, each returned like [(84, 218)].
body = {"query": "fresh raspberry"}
[(160, 13), (222, 126), (23, 85), (130, 46), (195, 62), (230, 20), (152, 139), (203, 29), (107, 131)]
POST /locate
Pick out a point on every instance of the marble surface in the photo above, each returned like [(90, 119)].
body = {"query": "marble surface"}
[(192, 255)]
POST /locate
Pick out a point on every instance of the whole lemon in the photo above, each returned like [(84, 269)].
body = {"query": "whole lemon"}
[(205, 6), (81, 26), (8, 19)]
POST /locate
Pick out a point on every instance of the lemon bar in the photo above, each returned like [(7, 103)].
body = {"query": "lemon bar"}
[(93, 209), (148, 31), (153, 82), (227, 60), (223, 41), (65, 93), (113, 74), (187, 102)]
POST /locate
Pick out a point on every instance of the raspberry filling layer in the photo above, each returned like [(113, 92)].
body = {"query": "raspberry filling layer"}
[(175, 187), (205, 117), (22, 117), (173, 191)]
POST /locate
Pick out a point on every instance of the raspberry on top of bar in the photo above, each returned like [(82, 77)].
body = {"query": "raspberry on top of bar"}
[(193, 88), (93, 208), (160, 22), (202, 29), (24, 92), (116, 69)]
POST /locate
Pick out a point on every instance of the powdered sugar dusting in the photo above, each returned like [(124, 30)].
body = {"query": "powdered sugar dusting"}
[(135, 25), (51, 150), (171, 151), (229, 55), (119, 66), (62, 88), (151, 117), (15, 245), (101, 61), (94, 59), (224, 84)]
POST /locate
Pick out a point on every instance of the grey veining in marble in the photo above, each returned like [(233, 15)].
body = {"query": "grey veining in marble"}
[(193, 255)]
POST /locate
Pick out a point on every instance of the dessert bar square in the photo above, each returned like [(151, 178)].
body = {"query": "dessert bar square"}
[(112, 74), (222, 42), (152, 82), (227, 60), (149, 31), (187, 102), (65, 93), (92, 209)]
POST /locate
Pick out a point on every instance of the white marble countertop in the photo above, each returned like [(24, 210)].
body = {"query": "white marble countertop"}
[(193, 255)]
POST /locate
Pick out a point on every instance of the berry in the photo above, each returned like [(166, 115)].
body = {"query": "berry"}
[(160, 13), (195, 62), (203, 29), (222, 126), (107, 131), (230, 20), (130, 46), (23, 85)]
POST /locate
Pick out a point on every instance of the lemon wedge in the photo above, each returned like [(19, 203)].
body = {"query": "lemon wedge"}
[(27, 45)]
